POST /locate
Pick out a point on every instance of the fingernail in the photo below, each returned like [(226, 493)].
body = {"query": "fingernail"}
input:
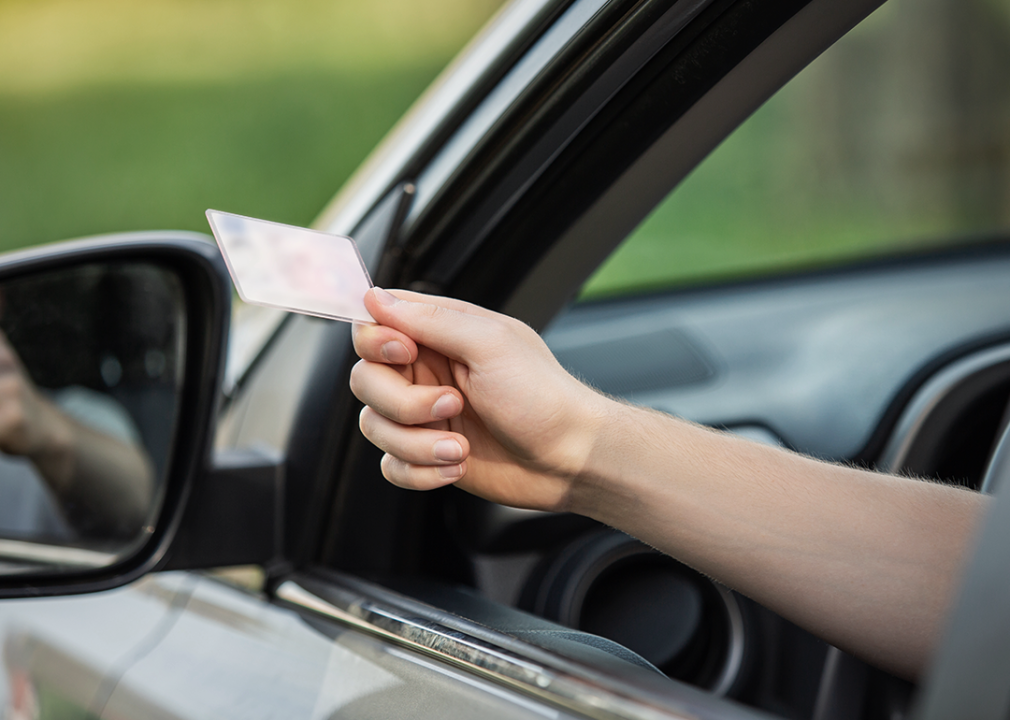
[(445, 407), (384, 298), (450, 472), (448, 450), (396, 352)]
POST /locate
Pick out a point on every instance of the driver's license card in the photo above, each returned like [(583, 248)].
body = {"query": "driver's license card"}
[(293, 268)]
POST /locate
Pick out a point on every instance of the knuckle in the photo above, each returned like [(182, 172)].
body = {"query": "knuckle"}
[(435, 313), (356, 374), (403, 474), (359, 379), (394, 470), (521, 331), (367, 340), (386, 465), (370, 424), (404, 411)]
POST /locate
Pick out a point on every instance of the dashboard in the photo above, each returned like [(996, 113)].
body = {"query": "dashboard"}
[(818, 360)]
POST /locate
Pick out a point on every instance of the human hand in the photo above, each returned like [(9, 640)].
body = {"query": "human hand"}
[(29, 425), (457, 393)]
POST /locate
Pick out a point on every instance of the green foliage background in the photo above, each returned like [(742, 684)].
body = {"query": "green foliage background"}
[(120, 115)]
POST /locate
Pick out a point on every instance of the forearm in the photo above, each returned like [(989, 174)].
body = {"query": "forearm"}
[(104, 485), (867, 561)]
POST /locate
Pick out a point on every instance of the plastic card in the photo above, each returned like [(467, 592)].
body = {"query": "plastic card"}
[(293, 268)]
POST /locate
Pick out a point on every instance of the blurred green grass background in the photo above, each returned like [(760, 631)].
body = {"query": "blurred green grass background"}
[(121, 115)]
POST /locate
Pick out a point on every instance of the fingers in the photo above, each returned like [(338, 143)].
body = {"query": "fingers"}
[(417, 477), (451, 327), (416, 458), (414, 445), (397, 398), (449, 303), (382, 344)]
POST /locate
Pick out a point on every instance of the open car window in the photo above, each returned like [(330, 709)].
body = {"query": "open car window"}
[(894, 140)]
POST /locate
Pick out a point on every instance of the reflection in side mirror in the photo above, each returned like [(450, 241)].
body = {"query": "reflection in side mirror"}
[(91, 359)]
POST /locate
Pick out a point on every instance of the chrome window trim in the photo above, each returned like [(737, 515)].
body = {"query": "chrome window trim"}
[(928, 397), (502, 659), (466, 138), (45, 554), (440, 173)]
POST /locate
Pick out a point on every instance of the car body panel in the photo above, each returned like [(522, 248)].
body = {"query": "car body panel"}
[(177, 645), (230, 655), (70, 650)]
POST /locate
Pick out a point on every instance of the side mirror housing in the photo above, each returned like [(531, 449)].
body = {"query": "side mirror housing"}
[(111, 361), (234, 514)]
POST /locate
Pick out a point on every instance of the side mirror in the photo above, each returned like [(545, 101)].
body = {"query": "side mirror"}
[(111, 356)]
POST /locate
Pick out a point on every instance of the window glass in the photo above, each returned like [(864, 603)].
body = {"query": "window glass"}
[(896, 139)]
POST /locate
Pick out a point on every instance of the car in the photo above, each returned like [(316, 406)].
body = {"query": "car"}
[(517, 182)]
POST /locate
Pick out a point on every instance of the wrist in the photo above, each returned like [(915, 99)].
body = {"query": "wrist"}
[(565, 452), (604, 452), (640, 459)]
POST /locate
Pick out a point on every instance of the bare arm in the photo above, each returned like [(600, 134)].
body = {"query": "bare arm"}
[(867, 561), (458, 394)]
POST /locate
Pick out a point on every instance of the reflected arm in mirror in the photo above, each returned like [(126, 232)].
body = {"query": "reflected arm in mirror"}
[(103, 484)]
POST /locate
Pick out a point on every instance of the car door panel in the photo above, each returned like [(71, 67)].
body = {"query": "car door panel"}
[(232, 655), (63, 655)]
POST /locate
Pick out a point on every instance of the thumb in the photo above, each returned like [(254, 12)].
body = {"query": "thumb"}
[(452, 327)]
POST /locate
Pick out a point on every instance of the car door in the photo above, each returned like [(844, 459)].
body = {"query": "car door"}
[(64, 656), (508, 137), (230, 654)]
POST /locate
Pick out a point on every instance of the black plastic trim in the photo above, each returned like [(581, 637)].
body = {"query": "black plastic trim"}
[(235, 516), (501, 247), (324, 434)]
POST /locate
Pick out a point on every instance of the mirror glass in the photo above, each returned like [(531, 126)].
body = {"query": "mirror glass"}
[(91, 358)]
